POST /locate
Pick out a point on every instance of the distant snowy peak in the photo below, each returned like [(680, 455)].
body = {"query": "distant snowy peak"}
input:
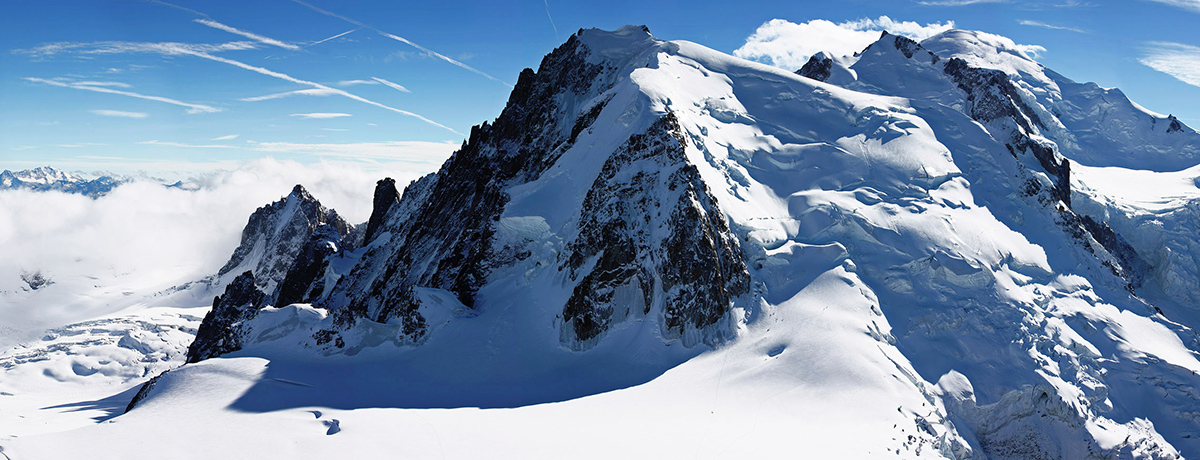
[(47, 178), (43, 175), (1081, 121)]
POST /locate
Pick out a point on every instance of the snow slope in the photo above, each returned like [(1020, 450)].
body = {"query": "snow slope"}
[(922, 281)]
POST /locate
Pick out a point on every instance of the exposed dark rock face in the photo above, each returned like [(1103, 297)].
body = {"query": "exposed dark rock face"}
[(443, 225), (36, 280), (275, 234), (305, 280), (908, 47), (220, 332), (1133, 267), (817, 68), (144, 392), (991, 95), (386, 195), (993, 99), (1175, 126), (695, 272)]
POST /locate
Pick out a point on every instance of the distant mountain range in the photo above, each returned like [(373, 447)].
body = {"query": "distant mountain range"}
[(47, 178)]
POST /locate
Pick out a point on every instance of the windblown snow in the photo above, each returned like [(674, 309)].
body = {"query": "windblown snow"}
[(942, 250)]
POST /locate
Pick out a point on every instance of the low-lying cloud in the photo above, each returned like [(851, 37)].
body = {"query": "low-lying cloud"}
[(788, 45), (144, 237)]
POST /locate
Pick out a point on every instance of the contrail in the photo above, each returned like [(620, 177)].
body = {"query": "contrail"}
[(391, 85), (250, 35), (192, 108), (547, 3), (333, 37), (403, 40), (172, 5)]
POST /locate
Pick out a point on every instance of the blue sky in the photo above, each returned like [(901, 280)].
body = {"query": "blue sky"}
[(187, 85)]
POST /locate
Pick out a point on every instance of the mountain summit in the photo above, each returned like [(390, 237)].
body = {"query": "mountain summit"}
[(660, 247)]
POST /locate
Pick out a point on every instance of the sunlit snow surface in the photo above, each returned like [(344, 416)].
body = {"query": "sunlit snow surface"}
[(908, 301)]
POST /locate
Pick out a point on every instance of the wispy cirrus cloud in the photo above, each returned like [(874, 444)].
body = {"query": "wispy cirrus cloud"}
[(315, 85), (205, 52), (1191, 5), (788, 45), (299, 92), (320, 115), (1175, 59), (180, 8), (1032, 23), (80, 145), (226, 138), (192, 108), (190, 146), (115, 84), (403, 40), (250, 35), (956, 2), (119, 47), (119, 113), (357, 82), (391, 85)]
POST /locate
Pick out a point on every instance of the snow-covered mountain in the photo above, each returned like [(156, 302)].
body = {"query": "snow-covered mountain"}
[(925, 250), (47, 178)]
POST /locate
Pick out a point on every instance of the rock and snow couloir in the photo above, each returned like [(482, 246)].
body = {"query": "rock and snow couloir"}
[(900, 259)]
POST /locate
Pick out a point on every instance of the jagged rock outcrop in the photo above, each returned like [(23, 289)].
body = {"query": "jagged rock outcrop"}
[(220, 332), (656, 239), (817, 68), (275, 235), (442, 227), (385, 196), (306, 280)]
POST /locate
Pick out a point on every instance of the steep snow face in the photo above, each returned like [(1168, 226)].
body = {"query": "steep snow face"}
[(729, 251)]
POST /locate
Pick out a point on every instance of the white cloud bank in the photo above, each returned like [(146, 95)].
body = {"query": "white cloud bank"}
[(1174, 59), (144, 237), (789, 45)]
